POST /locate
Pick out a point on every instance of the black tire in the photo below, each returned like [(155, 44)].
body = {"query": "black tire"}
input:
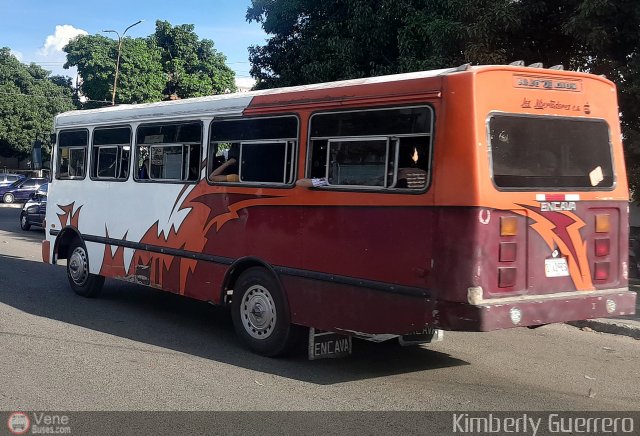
[(260, 314), (81, 280), (24, 222), (8, 198)]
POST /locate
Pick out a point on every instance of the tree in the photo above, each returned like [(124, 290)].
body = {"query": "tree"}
[(316, 41), (172, 61), (140, 76), (30, 100), (194, 67)]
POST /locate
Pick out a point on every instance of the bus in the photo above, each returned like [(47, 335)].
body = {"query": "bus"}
[(473, 198)]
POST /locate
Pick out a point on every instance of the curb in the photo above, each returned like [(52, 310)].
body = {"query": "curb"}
[(609, 326), (11, 205)]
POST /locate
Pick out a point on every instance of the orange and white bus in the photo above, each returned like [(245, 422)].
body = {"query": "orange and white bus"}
[(470, 199)]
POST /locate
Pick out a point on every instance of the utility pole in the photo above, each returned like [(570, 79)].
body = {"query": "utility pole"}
[(120, 38)]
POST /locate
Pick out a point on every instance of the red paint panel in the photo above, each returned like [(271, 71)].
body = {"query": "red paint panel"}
[(335, 307)]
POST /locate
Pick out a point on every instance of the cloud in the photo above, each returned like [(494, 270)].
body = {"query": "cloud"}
[(60, 38), (18, 55), (245, 82)]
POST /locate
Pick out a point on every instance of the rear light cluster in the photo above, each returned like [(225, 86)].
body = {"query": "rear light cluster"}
[(602, 247), (507, 252)]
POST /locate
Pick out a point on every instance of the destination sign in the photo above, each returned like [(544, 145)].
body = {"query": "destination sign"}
[(547, 83)]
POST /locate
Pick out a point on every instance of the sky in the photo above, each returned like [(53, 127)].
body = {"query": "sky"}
[(36, 30)]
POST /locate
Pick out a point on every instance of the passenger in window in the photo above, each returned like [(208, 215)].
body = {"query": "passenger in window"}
[(143, 173), (228, 171)]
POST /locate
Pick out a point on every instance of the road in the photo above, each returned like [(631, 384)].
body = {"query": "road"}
[(138, 349)]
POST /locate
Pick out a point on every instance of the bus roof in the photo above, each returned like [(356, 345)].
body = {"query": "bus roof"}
[(234, 104), (222, 104)]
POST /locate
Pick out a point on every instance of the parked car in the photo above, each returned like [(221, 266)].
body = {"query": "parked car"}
[(35, 209), (7, 179), (20, 190)]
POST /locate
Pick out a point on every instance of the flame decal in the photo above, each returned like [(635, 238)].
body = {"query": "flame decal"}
[(69, 217), (113, 264), (561, 230)]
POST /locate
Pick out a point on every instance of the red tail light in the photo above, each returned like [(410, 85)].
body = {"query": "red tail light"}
[(601, 271), (602, 247), (508, 251), (506, 277)]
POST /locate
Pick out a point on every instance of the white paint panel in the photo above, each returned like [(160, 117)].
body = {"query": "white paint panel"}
[(129, 208)]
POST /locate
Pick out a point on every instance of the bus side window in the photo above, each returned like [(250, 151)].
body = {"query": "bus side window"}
[(111, 153), (253, 150), (171, 150), (372, 148), (72, 154)]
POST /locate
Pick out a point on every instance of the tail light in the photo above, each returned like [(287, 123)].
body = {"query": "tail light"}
[(602, 247), (508, 226), (507, 252), (601, 271), (507, 277), (603, 224)]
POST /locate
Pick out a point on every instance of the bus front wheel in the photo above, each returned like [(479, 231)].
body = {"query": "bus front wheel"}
[(260, 314), (81, 280)]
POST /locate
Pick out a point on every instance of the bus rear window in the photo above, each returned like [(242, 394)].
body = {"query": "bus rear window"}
[(541, 152)]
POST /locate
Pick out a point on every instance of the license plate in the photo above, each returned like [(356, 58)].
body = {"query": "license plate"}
[(556, 267), (328, 345)]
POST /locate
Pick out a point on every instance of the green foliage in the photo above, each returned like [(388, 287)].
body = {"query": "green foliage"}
[(170, 62), (140, 76), (30, 100), (194, 67), (316, 41)]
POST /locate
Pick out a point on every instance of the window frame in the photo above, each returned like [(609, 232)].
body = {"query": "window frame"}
[(386, 139), (137, 146), (550, 189), (73, 147), (120, 147), (391, 189), (294, 141)]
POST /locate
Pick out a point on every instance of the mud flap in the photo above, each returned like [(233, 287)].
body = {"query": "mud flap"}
[(328, 345), (426, 336)]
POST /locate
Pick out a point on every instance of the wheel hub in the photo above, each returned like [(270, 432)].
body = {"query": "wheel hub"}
[(78, 266), (258, 312)]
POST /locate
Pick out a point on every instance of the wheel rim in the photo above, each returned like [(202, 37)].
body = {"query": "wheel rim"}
[(24, 221), (78, 266), (258, 312), (8, 198)]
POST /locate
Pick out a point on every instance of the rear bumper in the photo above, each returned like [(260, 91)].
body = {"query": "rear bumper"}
[(527, 311)]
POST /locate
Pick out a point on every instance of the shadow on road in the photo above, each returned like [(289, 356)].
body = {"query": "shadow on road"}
[(188, 326)]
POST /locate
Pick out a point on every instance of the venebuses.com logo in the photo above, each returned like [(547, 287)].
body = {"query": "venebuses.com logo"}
[(18, 423)]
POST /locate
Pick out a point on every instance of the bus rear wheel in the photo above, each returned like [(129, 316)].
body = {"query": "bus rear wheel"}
[(81, 280), (260, 314)]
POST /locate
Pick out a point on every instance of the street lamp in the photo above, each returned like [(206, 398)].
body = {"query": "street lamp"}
[(115, 80)]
